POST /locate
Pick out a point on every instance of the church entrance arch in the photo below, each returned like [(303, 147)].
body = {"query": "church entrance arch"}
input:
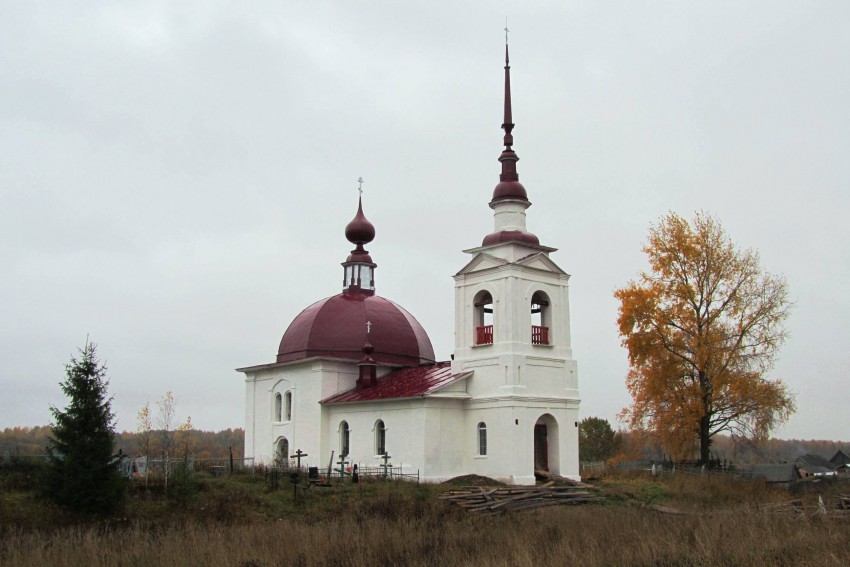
[(281, 452), (546, 456)]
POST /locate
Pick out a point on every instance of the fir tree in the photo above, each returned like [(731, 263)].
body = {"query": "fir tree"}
[(83, 475)]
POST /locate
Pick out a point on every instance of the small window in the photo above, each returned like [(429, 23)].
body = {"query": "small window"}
[(482, 438), (380, 438), (343, 439), (278, 405), (366, 281), (288, 404)]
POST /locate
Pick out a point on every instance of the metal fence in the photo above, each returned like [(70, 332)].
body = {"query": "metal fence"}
[(280, 474), (143, 467)]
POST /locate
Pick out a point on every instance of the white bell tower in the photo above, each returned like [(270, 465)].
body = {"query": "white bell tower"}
[(512, 329)]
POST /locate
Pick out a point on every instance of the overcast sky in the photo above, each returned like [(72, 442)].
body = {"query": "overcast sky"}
[(175, 177)]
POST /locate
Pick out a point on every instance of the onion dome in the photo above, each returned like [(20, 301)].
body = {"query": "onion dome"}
[(360, 231), (339, 326)]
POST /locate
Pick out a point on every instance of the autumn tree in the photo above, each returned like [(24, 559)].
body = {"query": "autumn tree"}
[(83, 473), (144, 429), (702, 328), (597, 441), (165, 423)]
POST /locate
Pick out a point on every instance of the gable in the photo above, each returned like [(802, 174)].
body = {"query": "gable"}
[(481, 262), (540, 261)]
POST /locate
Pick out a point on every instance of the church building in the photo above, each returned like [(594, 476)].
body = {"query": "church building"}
[(356, 374)]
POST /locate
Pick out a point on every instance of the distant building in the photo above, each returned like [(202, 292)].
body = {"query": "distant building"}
[(841, 461), (814, 465), (773, 473), (356, 374)]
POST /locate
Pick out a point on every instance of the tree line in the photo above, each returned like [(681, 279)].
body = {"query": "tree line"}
[(598, 441), (202, 444)]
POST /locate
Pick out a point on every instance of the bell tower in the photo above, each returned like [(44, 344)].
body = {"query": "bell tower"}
[(512, 329)]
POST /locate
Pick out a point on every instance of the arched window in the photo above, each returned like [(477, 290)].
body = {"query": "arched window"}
[(483, 318), (343, 439), (482, 438), (380, 438), (288, 400), (540, 319), (278, 404)]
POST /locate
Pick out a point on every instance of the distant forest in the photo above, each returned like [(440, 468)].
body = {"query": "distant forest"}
[(217, 444), (199, 444)]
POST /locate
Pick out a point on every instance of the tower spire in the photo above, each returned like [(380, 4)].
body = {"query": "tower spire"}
[(509, 186), (508, 125), (509, 200)]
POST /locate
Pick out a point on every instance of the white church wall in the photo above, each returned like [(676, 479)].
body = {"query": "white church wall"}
[(422, 435), (404, 439), (446, 447), (307, 382), (510, 438)]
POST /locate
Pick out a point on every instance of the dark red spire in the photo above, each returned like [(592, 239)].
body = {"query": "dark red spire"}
[(509, 186)]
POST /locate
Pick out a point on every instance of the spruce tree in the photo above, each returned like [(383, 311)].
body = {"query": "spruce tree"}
[(83, 474)]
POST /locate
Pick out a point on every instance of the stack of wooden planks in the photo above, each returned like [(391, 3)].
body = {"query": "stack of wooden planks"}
[(498, 500)]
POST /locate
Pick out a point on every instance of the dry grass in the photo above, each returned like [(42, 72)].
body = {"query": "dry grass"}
[(397, 524)]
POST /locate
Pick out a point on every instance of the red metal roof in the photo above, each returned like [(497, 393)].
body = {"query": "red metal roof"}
[(336, 327), (411, 382)]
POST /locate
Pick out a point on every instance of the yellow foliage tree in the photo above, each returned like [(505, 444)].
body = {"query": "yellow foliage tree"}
[(702, 329)]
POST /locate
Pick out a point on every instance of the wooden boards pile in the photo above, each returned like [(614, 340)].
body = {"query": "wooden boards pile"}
[(498, 500)]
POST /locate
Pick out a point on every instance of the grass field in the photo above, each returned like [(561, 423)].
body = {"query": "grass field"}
[(238, 522)]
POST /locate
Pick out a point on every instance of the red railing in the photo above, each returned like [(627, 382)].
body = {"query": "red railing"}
[(539, 335), (484, 335)]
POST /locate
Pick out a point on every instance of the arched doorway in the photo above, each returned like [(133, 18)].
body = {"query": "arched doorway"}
[(281, 453), (546, 457)]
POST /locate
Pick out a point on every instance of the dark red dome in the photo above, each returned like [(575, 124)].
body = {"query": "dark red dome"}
[(336, 327), (360, 231), (509, 190), (511, 236)]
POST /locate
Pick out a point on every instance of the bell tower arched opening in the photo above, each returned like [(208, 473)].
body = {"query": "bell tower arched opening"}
[(483, 318), (540, 318)]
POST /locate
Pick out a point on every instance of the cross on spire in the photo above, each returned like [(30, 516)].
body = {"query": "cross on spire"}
[(506, 30), (360, 184), (368, 327)]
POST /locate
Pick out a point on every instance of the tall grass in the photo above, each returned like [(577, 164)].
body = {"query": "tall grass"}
[(240, 524), (567, 536)]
